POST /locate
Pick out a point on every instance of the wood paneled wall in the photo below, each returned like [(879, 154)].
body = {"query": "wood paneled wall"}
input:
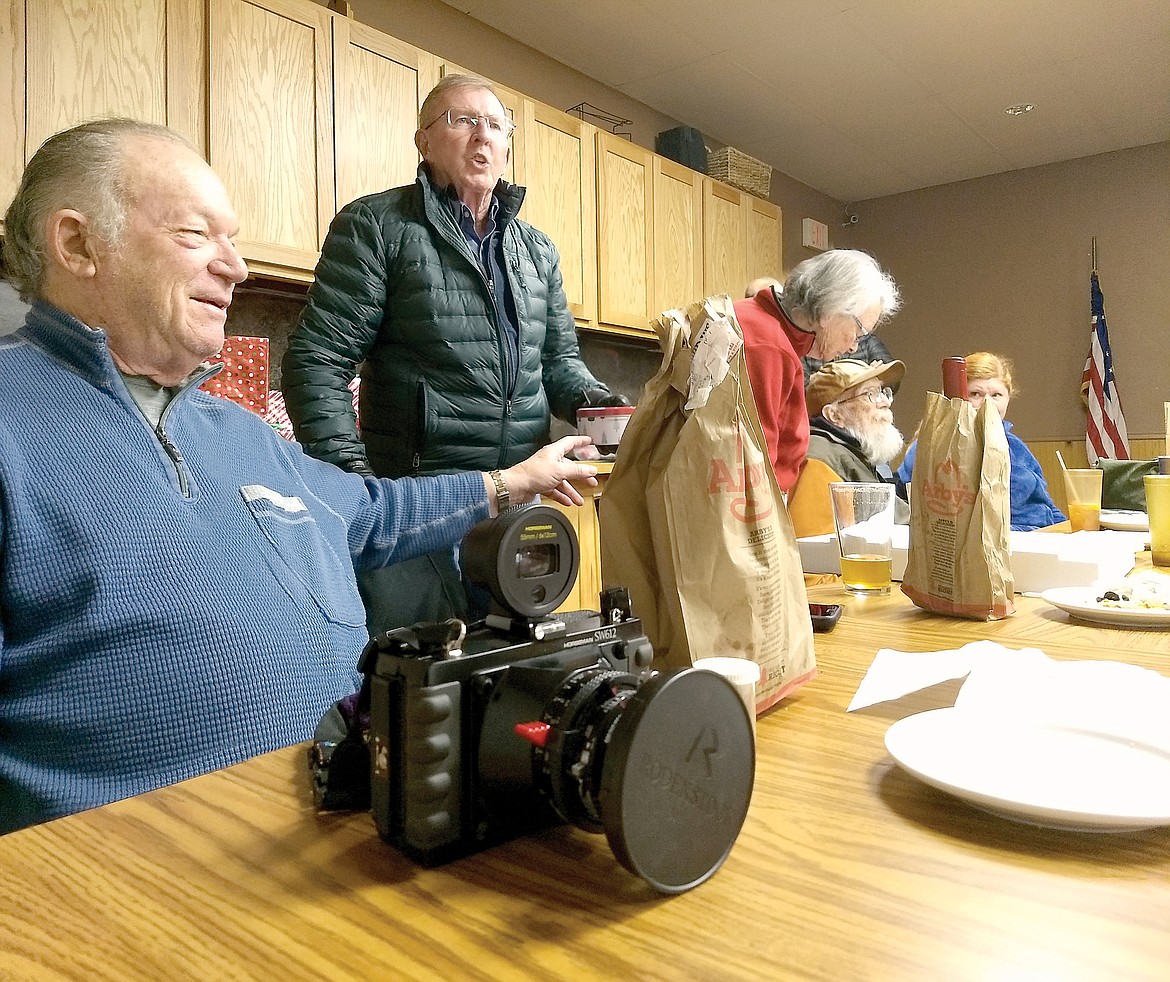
[(1073, 452)]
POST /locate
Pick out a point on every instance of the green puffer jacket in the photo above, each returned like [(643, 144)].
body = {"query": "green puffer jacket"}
[(398, 289)]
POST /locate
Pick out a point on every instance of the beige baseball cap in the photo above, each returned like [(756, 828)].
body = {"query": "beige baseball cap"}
[(835, 378)]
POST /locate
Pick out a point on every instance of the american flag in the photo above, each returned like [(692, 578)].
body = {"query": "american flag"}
[(1105, 433)]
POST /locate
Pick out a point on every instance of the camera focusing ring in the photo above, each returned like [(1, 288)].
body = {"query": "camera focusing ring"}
[(569, 766)]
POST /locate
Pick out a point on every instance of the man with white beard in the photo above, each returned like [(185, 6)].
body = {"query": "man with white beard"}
[(853, 438)]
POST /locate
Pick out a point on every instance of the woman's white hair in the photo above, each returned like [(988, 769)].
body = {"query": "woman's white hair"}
[(840, 281)]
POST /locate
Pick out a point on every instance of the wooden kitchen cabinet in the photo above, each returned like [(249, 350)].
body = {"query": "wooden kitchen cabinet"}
[(379, 85), (625, 235), (724, 240), (300, 110), (270, 133), (741, 239), (764, 256), (12, 98), (556, 163), (584, 520), (678, 238), (249, 82), (94, 59), (65, 61)]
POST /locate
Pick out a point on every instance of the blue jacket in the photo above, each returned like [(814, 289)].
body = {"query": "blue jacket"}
[(1032, 505), (172, 601)]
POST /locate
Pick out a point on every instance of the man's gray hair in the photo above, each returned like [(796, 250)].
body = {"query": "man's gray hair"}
[(840, 281), (79, 168), (448, 83)]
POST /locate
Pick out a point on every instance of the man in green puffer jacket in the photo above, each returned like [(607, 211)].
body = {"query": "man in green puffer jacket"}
[(456, 312)]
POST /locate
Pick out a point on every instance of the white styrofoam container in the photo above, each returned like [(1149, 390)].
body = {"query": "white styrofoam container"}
[(1040, 560)]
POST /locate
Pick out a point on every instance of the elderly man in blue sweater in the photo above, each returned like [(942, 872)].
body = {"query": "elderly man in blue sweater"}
[(177, 583)]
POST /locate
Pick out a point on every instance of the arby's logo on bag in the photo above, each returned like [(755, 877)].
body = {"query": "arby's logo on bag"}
[(946, 495), (747, 484)]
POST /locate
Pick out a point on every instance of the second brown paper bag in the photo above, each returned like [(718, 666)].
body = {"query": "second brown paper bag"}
[(959, 559), (692, 521)]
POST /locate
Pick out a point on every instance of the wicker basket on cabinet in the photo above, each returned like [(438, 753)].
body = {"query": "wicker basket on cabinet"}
[(740, 170)]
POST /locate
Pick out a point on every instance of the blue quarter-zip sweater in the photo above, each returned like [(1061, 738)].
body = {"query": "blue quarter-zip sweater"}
[(172, 600)]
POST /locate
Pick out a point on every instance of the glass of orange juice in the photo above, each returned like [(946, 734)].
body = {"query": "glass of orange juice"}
[(1158, 506), (864, 516), (1082, 486)]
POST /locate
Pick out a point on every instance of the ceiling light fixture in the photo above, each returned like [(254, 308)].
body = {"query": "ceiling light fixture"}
[(1019, 109)]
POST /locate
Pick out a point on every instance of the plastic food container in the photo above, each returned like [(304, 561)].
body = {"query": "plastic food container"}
[(605, 425)]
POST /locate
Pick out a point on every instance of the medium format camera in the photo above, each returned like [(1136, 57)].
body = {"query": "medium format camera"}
[(530, 718)]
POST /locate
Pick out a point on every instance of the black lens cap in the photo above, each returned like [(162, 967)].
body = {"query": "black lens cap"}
[(677, 778)]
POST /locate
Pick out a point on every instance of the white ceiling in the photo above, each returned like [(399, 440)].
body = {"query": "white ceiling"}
[(863, 98)]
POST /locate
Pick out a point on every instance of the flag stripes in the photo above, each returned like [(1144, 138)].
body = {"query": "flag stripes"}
[(1105, 432)]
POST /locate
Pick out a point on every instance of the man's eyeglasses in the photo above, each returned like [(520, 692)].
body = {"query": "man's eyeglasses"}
[(876, 396), (465, 121), (862, 330)]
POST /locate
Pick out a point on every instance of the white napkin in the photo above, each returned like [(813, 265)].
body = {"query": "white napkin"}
[(894, 674), (1025, 685)]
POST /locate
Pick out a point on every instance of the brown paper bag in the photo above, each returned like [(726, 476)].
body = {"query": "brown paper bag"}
[(692, 521), (959, 559)]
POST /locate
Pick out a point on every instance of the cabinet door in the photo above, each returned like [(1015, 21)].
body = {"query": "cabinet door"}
[(94, 59), (379, 84), (65, 61), (625, 244), (725, 212), (557, 168), (583, 518), (764, 241), (678, 240), (12, 98), (271, 127)]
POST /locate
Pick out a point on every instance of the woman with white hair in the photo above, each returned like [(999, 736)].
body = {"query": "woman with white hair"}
[(828, 303)]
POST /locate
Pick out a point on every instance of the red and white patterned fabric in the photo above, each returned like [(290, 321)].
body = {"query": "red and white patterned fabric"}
[(277, 414), (244, 379), (1105, 431)]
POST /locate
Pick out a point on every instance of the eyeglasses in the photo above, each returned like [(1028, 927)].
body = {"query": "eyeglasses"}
[(465, 121), (862, 330), (876, 396)]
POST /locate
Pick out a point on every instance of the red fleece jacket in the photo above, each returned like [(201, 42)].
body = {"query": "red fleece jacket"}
[(773, 347)]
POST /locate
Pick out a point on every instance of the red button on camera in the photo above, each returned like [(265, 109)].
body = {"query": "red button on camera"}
[(534, 733)]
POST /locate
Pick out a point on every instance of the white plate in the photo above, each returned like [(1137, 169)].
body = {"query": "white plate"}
[(1081, 601), (1124, 521), (1051, 775)]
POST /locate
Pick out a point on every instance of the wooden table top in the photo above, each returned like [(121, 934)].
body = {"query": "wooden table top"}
[(846, 869)]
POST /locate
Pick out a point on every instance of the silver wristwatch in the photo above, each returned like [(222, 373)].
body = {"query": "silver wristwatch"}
[(502, 495)]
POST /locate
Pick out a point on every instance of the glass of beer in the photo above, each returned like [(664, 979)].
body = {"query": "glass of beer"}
[(1083, 487), (864, 516)]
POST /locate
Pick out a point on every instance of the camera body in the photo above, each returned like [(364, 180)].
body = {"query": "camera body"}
[(532, 718), (446, 775)]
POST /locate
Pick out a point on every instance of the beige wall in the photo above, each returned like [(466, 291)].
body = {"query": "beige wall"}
[(454, 36), (1002, 263)]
